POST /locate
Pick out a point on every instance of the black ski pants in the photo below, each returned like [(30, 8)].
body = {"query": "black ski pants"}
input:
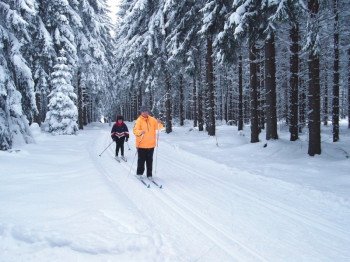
[(119, 143), (145, 155)]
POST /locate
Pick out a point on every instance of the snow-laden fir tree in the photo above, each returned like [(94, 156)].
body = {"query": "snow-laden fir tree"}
[(93, 72), (63, 114), (142, 53), (16, 81)]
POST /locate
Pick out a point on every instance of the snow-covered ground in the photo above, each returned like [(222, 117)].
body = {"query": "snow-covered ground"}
[(223, 199)]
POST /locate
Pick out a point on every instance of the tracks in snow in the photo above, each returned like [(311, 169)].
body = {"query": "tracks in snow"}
[(268, 203), (233, 247), (171, 200)]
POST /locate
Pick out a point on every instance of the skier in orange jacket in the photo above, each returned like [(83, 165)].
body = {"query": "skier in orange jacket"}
[(145, 129)]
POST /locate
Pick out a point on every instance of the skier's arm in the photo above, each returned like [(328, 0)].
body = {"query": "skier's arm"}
[(158, 124), (126, 132), (137, 129), (113, 132)]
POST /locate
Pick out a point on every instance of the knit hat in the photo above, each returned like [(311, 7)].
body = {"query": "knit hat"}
[(120, 117), (144, 108)]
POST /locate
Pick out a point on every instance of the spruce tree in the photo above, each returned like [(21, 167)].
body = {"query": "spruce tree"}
[(17, 97), (63, 114)]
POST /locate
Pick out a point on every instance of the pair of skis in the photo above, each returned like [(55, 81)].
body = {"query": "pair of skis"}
[(119, 159), (148, 184)]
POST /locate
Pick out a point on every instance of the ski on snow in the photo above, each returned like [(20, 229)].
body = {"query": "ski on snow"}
[(144, 182), (147, 183), (158, 185), (119, 159)]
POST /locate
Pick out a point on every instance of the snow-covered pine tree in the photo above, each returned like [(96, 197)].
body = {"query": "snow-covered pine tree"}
[(41, 92), (183, 43), (131, 47), (142, 52), (16, 82), (245, 20), (24, 78), (95, 54), (53, 31), (214, 13), (62, 115), (59, 18), (41, 52), (291, 11)]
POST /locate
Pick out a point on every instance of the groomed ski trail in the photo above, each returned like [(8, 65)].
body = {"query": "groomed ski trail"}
[(157, 204), (183, 203), (269, 203)]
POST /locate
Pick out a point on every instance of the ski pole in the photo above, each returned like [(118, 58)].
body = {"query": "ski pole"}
[(106, 148), (127, 142), (155, 168), (216, 137)]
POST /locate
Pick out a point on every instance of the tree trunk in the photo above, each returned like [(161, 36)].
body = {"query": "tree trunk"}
[(85, 113), (139, 97), (270, 87), (91, 111), (226, 106), (200, 111), (39, 106), (254, 120), (168, 119), (44, 100), (80, 101), (262, 97), (168, 98), (210, 87), (343, 101), (258, 88), (302, 105), (200, 98), (181, 102), (151, 98), (314, 86), (225, 100), (294, 81), (6, 138), (335, 103), (325, 101), (349, 89), (240, 94), (194, 96), (88, 110)]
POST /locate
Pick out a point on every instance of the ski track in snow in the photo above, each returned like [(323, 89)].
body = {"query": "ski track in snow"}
[(269, 203), (278, 209), (206, 225), (170, 204), (103, 172), (206, 211)]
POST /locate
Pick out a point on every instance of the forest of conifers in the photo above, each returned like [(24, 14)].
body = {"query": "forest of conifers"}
[(256, 64)]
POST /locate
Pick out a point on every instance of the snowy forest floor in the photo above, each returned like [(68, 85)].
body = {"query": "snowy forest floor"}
[(60, 201)]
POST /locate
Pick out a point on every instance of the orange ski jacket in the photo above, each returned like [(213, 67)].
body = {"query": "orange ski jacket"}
[(150, 125)]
